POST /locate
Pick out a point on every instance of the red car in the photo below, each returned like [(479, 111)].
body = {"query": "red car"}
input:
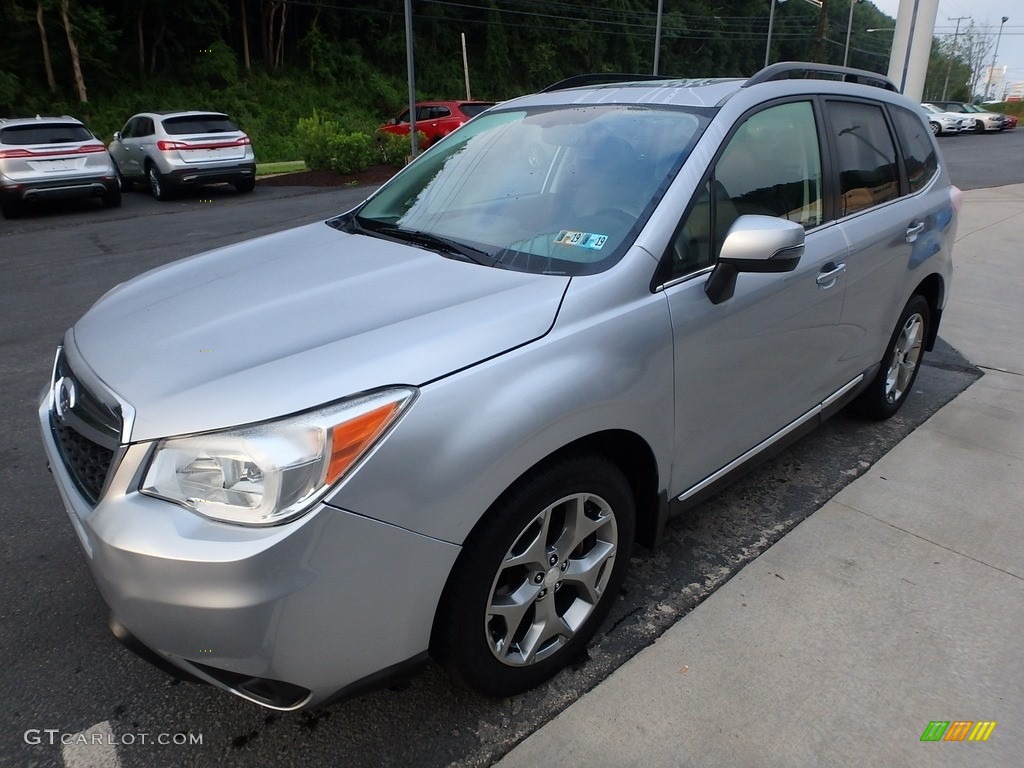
[(436, 119)]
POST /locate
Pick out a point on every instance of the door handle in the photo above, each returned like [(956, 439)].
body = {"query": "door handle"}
[(829, 274), (913, 231)]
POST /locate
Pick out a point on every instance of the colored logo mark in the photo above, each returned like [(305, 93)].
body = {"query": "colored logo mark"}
[(958, 730)]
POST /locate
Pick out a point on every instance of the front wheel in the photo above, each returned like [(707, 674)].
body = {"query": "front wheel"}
[(902, 360), (537, 576), (936, 130)]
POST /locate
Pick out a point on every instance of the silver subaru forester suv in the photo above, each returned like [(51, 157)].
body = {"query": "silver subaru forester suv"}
[(436, 424)]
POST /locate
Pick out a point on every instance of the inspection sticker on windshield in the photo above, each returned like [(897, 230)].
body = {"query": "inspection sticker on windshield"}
[(581, 239)]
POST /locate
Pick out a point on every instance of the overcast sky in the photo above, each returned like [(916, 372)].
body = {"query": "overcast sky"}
[(986, 14)]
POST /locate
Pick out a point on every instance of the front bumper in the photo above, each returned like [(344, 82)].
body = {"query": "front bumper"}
[(285, 616)]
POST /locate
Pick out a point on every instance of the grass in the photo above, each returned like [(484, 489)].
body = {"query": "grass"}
[(272, 169)]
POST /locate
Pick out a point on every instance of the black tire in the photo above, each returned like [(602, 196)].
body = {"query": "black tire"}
[(112, 197), (936, 129), (246, 185), (10, 209), (900, 364), (469, 636), (979, 126), (126, 185), (157, 183)]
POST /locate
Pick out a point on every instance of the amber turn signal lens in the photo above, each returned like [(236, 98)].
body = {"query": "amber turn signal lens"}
[(350, 439)]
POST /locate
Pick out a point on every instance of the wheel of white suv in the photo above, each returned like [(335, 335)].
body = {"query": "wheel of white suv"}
[(538, 576), (112, 197), (900, 365), (246, 185), (157, 184)]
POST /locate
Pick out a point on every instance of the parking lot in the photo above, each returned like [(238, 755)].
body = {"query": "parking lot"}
[(65, 673)]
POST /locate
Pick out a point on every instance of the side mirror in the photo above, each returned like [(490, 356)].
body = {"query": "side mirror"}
[(754, 244), (393, 121), (117, 135)]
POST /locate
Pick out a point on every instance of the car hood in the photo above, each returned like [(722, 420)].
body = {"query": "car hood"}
[(300, 318)]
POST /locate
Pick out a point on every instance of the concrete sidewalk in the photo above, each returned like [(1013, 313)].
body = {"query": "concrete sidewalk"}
[(899, 602)]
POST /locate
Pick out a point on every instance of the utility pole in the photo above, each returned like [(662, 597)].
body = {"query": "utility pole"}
[(952, 52), (988, 85)]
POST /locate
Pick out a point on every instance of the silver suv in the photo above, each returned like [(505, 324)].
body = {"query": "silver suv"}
[(173, 150), (437, 423), (51, 158)]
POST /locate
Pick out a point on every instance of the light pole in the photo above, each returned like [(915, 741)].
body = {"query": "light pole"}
[(849, 26), (771, 23), (988, 86)]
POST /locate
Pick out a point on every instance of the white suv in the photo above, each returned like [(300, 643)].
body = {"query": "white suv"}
[(183, 149), (48, 158)]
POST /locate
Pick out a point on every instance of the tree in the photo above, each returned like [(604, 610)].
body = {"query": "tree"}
[(76, 64)]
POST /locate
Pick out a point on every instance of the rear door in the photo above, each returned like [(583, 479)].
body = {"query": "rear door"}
[(890, 215)]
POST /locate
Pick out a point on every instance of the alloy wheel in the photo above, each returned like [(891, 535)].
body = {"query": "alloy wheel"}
[(551, 579)]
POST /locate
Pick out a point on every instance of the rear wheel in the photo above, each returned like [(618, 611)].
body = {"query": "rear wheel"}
[(10, 209), (157, 183), (246, 185), (537, 576), (112, 197), (902, 360)]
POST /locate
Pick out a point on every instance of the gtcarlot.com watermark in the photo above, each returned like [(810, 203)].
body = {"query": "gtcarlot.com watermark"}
[(53, 736)]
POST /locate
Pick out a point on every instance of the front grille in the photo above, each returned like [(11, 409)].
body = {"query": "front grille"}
[(86, 423), (87, 462)]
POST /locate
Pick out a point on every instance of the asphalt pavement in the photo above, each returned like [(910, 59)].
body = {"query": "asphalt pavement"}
[(885, 629)]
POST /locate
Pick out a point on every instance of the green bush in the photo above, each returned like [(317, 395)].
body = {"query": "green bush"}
[(394, 149), (315, 136), (353, 152)]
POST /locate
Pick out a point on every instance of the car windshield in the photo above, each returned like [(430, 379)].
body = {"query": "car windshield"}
[(543, 190), (54, 133)]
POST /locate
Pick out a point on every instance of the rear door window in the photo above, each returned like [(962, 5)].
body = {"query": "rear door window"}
[(868, 174)]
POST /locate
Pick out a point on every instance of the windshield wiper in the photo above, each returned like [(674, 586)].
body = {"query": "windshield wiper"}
[(443, 245)]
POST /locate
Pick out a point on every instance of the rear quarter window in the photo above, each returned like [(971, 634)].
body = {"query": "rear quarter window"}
[(919, 154), (60, 133)]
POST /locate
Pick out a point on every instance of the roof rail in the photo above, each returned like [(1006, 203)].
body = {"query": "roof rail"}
[(600, 78), (785, 69)]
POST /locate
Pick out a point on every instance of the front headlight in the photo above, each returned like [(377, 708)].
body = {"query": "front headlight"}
[(272, 472)]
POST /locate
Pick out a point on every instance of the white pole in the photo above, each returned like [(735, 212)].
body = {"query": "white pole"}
[(410, 67), (912, 45), (849, 27), (771, 23), (657, 37), (995, 55), (465, 67)]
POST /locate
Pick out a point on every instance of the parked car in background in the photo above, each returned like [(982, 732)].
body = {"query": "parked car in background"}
[(436, 119), (435, 424), (943, 123), (174, 150), (983, 119), (51, 158)]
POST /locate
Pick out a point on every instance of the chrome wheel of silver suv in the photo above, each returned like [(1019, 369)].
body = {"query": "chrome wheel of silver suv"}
[(532, 587), (551, 579)]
